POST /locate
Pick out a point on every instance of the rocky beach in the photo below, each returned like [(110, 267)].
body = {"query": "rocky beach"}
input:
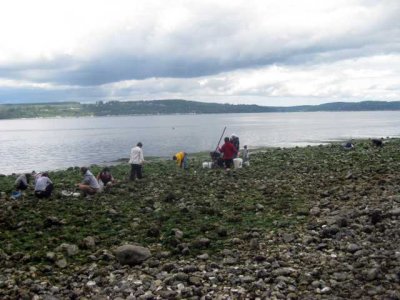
[(299, 223)]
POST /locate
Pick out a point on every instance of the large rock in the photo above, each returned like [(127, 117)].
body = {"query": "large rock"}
[(62, 263), (132, 254), (394, 212), (68, 249), (283, 272), (53, 221), (88, 242), (202, 243), (315, 211)]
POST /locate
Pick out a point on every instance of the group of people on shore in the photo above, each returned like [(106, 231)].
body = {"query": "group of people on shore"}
[(43, 186), (222, 157), (90, 185), (349, 145), (225, 155)]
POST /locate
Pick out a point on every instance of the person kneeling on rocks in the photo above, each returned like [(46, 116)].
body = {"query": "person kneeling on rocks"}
[(105, 177), (43, 186), (89, 184), (377, 142), (348, 146)]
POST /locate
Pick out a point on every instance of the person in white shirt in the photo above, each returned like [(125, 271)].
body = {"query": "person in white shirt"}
[(36, 176), (136, 160), (89, 184), (43, 186)]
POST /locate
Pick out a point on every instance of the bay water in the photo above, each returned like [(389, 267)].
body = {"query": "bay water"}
[(58, 143)]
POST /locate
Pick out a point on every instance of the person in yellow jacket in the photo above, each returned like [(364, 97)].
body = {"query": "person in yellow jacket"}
[(181, 159)]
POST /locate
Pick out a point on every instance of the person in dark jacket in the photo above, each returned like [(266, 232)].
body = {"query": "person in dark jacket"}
[(229, 151), (22, 182), (236, 143), (377, 142), (106, 177)]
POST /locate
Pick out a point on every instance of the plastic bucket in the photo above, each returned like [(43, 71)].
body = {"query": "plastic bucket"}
[(238, 163), (16, 195)]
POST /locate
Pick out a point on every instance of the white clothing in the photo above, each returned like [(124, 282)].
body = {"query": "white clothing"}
[(137, 157), (37, 176), (245, 154), (90, 180), (41, 183)]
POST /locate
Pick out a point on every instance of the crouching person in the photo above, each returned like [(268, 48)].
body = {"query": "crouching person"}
[(22, 182), (43, 186), (105, 178), (89, 184)]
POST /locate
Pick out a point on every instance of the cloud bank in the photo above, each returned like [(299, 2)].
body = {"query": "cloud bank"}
[(265, 52)]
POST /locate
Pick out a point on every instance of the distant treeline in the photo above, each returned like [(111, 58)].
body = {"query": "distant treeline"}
[(115, 108)]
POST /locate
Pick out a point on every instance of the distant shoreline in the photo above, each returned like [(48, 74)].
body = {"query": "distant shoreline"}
[(187, 114), (174, 107)]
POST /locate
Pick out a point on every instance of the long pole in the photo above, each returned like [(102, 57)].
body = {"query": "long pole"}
[(220, 139)]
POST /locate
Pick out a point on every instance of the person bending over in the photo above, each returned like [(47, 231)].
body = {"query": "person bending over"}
[(181, 159), (43, 186), (22, 182)]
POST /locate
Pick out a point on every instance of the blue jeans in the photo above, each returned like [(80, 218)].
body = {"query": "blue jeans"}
[(185, 163)]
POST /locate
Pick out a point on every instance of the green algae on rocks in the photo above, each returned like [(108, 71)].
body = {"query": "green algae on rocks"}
[(194, 214)]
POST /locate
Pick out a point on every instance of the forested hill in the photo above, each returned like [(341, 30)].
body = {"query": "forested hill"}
[(66, 109)]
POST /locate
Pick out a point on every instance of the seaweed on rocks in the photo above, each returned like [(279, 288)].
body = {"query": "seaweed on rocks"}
[(313, 222)]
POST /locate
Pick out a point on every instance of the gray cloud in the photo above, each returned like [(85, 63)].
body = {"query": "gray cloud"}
[(214, 39), (38, 95)]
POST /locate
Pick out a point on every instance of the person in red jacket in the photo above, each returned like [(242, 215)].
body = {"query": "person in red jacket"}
[(229, 152)]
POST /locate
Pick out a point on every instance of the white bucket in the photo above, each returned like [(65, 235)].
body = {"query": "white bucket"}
[(207, 165), (237, 163), (101, 185)]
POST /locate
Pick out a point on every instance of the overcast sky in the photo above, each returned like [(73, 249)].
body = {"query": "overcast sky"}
[(282, 52)]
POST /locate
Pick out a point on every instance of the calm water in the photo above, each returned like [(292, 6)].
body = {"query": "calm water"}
[(45, 144)]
